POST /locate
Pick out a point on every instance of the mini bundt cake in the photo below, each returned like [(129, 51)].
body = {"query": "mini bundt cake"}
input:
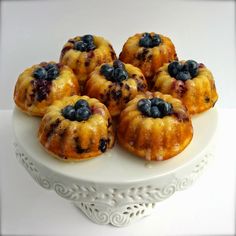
[(148, 51), (83, 53), (155, 126), (40, 85), (76, 128), (115, 85), (189, 81)]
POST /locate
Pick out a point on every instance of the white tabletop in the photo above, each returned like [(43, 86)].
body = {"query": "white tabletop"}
[(206, 208)]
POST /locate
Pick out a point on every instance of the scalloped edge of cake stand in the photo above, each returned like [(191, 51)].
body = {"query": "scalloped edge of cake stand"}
[(118, 205)]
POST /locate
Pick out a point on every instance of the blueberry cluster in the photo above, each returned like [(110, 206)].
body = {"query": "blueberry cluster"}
[(79, 112), (48, 72), (149, 41), (185, 71), (115, 73), (86, 44), (155, 107)]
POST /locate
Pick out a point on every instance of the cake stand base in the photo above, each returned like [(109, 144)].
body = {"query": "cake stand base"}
[(117, 188), (116, 216)]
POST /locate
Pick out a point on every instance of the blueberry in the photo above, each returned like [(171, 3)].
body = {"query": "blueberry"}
[(155, 112), (174, 67), (69, 112), (156, 101), (118, 64), (80, 46), (49, 66), (120, 75), (165, 108), (87, 38), (192, 67), (144, 101), (81, 103), (82, 114), (90, 47), (52, 71), (145, 109), (144, 105), (107, 71), (156, 40), (40, 73), (145, 41), (103, 145), (183, 75)]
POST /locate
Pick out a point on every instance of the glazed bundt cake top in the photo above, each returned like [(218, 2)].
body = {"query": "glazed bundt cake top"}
[(84, 43), (158, 105), (87, 43)]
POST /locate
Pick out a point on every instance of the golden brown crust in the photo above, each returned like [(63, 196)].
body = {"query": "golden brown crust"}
[(149, 60), (65, 84), (198, 94), (73, 140), (155, 138), (115, 95), (83, 63)]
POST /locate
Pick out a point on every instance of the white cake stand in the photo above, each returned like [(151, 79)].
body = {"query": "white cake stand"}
[(117, 187)]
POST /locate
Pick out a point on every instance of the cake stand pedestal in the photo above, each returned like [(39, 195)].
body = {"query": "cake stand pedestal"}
[(116, 188)]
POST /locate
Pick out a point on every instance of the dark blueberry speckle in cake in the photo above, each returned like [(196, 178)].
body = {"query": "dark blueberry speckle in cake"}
[(41, 89), (155, 107), (103, 145)]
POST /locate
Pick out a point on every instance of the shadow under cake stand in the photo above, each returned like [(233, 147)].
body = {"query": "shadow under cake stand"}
[(115, 188)]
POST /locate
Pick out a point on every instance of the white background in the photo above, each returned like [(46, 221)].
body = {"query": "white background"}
[(35, 31)]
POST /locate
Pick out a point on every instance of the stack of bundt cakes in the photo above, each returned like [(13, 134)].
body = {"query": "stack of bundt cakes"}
[(148, 92)]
